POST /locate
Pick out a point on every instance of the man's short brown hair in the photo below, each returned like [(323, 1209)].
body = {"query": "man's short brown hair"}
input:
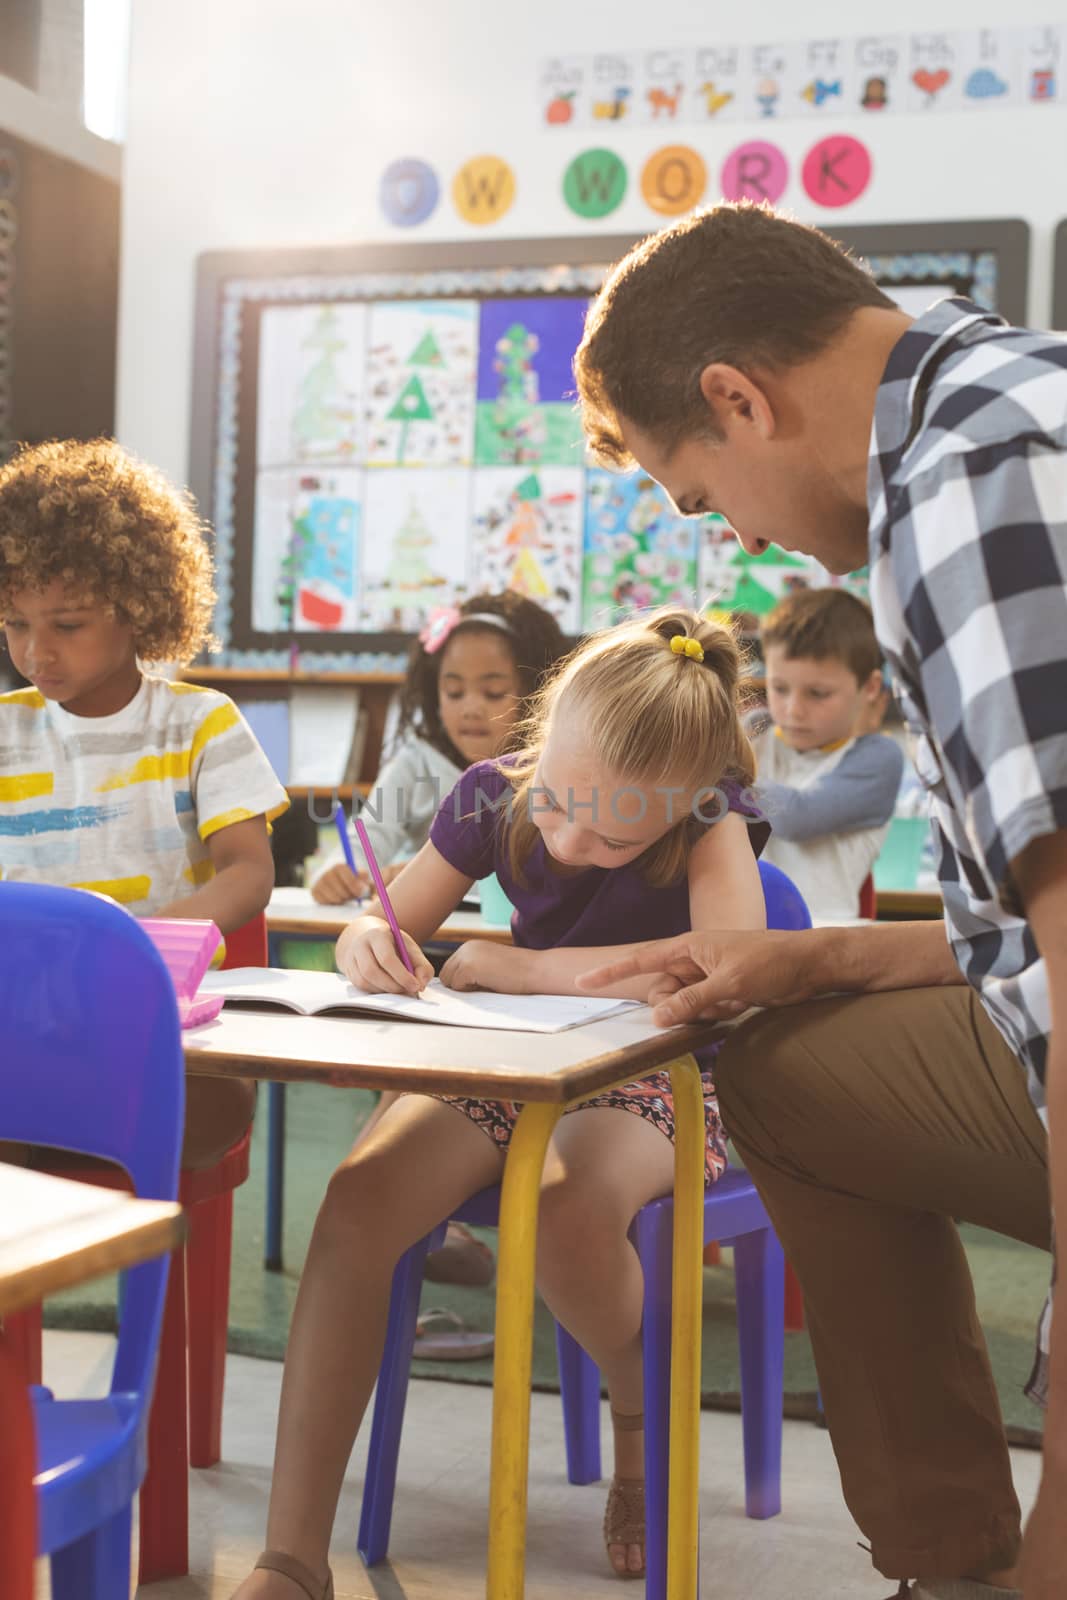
[(737, 284), (824, 625)]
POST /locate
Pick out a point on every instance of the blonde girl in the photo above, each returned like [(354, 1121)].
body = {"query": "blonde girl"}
[(626, 809)]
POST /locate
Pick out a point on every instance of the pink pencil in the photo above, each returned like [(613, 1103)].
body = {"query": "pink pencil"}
[(379, 885)]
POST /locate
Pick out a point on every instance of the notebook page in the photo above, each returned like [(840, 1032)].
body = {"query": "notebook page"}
[(312, 992)]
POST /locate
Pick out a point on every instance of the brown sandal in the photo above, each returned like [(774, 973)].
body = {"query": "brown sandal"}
[(303, 1577), (624, 1514)]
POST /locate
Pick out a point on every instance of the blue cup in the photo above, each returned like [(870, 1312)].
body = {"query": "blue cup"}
[(496, 907)]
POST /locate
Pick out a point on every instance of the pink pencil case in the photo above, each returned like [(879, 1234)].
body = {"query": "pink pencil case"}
[(187, 949)]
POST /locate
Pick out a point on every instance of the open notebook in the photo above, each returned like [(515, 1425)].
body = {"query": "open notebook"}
[(312, 993)]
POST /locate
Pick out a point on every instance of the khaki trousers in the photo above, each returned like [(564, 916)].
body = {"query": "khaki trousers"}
[(869, 1123)]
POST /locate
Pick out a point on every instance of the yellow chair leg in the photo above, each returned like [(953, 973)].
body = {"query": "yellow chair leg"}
[(517, 1235), (687, 1285)]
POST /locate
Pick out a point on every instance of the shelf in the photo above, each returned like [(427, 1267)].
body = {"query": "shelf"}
[(209, 675), (343, 791)]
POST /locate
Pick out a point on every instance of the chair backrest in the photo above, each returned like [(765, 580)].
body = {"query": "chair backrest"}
[(783, 900), (246, 946), (91, 1061), (868, 899)]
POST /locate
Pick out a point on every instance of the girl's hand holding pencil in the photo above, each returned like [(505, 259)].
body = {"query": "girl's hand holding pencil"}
[(367, 956)]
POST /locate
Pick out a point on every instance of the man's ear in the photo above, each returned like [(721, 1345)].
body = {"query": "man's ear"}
[(874, 685), (736, 400)]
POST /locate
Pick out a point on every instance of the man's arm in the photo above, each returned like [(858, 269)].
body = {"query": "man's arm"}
[(1040, 874), (724, 974)]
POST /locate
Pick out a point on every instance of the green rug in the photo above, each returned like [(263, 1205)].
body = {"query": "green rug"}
[(1010, 1281)]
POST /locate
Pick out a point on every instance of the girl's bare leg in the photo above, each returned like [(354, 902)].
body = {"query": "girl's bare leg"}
[(603, 1165), (421, 1160)]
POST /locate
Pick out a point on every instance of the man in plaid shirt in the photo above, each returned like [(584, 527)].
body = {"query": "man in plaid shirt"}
[(753, 369)]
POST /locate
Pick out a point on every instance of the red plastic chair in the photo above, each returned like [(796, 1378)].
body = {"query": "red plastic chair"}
[(185, 1424), (868, 899)]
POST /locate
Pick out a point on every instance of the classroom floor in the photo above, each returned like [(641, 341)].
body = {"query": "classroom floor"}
[(809, 1552)]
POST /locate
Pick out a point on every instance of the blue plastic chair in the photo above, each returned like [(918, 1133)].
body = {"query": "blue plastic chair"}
[(734, 1215), (89, 1034)]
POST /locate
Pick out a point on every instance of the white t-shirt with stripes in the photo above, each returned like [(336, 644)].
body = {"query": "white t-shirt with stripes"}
[(126, 804)]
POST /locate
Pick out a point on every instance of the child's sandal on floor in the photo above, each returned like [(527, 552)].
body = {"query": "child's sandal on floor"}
[(303, 1577), (624, 1514)]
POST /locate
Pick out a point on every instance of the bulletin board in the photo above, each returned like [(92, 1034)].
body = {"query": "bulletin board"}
[(380, 431)]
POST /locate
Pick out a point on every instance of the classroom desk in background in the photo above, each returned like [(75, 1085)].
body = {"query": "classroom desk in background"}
[(294, 913), (909, 905), (545, 1074), (55, 1233)]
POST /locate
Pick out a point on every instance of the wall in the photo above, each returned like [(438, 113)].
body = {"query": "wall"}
[(249, 128), (56, 127)]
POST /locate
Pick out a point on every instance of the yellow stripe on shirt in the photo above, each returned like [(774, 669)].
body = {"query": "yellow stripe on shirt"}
[(223, 717), (150, 769), (226, 819), (32, 699), (124, 890), (25, 786)]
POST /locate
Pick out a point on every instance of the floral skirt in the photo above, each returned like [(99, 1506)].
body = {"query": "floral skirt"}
[(650, 1098)]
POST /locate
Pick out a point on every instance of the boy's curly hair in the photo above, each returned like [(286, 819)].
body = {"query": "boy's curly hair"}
[(114, 529)]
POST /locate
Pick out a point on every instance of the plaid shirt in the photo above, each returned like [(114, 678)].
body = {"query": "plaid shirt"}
[(967, 493)]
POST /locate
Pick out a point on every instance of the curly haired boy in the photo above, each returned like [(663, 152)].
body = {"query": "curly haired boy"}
[(112, 778)]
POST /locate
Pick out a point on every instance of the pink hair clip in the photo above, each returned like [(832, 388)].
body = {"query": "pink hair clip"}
[(438, 628)]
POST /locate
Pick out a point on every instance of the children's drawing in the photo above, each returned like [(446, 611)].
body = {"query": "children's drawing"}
[(415, 548), (310, 400), (306, 544), (528, 536), (420, 383), (732, 581), (638, 551), (525, 410)]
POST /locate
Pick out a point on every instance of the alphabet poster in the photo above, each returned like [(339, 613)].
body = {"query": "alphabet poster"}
[(880, 75)]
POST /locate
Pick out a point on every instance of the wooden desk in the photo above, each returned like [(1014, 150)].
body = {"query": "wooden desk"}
[(54, 1233), (294, 912), (545, 1073), (902, 905)]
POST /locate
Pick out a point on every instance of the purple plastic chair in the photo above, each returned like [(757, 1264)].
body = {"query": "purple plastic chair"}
[(734, 1215), (89, 1031)]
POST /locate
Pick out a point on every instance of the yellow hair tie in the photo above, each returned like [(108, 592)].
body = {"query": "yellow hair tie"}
[(683, 646)]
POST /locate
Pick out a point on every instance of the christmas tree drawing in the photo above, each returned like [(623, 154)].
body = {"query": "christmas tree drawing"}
[(519, 424), (411, 405), (749, 594), (292, 567), (427, 353), (408, 568), (773, 556), (518, 377), (320, 399)]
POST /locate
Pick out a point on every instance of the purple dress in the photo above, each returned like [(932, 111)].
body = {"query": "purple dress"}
[(599, 906)]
